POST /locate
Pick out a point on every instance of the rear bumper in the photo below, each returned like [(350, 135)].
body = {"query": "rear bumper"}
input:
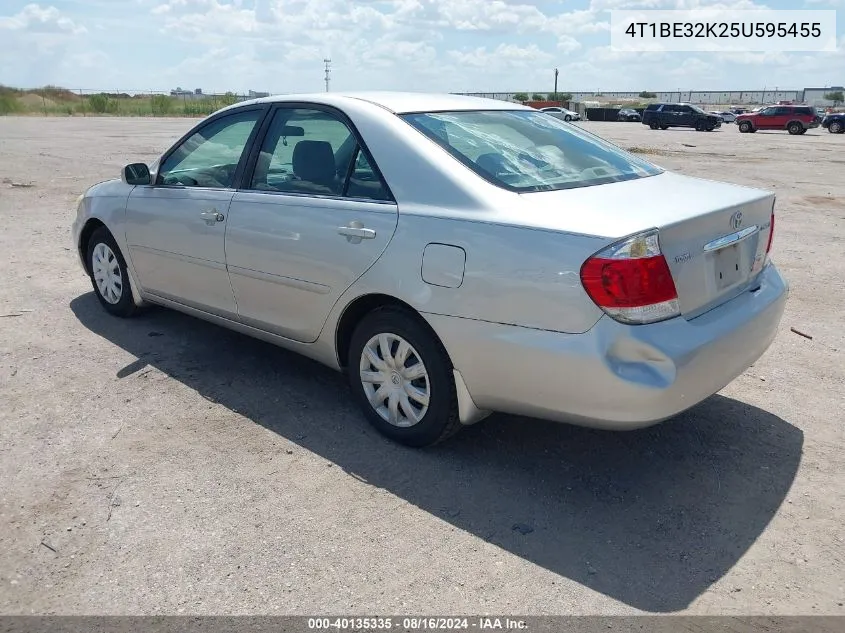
[(614, 376)]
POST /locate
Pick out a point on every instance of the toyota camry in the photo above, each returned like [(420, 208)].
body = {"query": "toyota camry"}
[(454, 256)]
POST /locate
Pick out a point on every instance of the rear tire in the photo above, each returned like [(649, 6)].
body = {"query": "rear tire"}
[(567, 118), (109, 275), (664, 127), (836, 128), (795, 128), (402, 378)]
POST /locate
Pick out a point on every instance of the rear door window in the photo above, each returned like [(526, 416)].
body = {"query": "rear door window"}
[(310, 151)]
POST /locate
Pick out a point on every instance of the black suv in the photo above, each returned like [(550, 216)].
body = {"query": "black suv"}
[(666, 115)]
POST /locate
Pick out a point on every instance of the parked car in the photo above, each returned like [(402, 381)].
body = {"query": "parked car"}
[(561, 113), (792, 118), (726, 116), (834, 123), (452, 255), (626, 114), (666, 115)]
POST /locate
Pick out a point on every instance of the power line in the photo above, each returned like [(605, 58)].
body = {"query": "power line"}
[(328, 64)]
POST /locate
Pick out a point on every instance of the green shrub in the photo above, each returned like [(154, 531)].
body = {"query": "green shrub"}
[(230, 98), (9, 104), (161, 105), (98, 103)]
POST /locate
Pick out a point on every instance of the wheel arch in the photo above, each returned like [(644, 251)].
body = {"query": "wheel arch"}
[(468, 411), (362, 306), (91, 225)]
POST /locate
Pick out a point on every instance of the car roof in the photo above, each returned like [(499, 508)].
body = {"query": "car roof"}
[(397, 102)]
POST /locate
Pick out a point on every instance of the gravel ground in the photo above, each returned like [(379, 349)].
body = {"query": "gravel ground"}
[(165, 465)]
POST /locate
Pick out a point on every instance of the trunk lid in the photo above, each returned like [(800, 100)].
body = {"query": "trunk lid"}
[(712, 234)]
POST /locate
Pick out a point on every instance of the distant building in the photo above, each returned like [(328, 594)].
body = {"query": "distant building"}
[(810, 96), (187, 94), (257, 95), (815, 96)]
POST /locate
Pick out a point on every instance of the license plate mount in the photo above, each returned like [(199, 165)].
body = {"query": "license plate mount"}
[(728, 266)]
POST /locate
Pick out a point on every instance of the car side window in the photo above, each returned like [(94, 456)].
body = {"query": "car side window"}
[(210, 156), (363, 180), (768, 111), (314, 152)]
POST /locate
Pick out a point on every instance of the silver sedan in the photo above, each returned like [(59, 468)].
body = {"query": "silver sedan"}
[(454, 256)]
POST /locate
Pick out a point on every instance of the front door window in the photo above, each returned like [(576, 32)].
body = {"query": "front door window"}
[(210, 156)]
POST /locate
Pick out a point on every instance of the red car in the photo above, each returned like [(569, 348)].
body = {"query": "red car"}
[(795, 119)]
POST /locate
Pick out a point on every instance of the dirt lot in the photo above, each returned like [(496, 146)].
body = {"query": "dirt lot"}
[(164, 465)]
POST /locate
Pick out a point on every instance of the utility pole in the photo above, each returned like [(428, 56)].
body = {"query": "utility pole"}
[(328, 64), (555, 83)]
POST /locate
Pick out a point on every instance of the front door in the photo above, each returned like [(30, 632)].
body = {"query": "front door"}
[(685, 115), (175, 228), (313, 216), (769, 119)]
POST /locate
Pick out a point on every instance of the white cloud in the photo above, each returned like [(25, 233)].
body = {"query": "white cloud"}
[(279, 45), (34, 18), (503, 56)]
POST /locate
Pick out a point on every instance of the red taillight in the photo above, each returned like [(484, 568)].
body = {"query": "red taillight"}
[(631, 281), (628, 283), (771, 234)]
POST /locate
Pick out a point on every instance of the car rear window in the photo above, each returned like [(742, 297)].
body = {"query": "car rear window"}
[(527, 151)]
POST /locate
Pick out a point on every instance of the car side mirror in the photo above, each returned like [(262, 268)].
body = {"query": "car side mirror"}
[(136, 174)]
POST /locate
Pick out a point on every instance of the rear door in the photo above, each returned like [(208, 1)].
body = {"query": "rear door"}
[(314, 214), (668, 115)]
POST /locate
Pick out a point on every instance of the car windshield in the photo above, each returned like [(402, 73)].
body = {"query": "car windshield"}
[(697, 109), (526, 151)]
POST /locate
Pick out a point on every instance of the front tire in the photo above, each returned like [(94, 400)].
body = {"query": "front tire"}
[(109, 274), (835, 128), (653, 125), (402, 379), (745, 127), (567, 118)]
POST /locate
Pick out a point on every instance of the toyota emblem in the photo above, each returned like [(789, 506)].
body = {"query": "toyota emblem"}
[(736, 219)]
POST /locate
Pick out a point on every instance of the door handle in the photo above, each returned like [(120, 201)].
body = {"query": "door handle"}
[(212, 216), (355, 232)]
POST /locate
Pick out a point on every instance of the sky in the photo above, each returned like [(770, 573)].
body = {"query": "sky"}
[(426, 45)]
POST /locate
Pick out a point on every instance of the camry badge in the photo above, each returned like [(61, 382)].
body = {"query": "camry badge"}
[(736, 220)]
